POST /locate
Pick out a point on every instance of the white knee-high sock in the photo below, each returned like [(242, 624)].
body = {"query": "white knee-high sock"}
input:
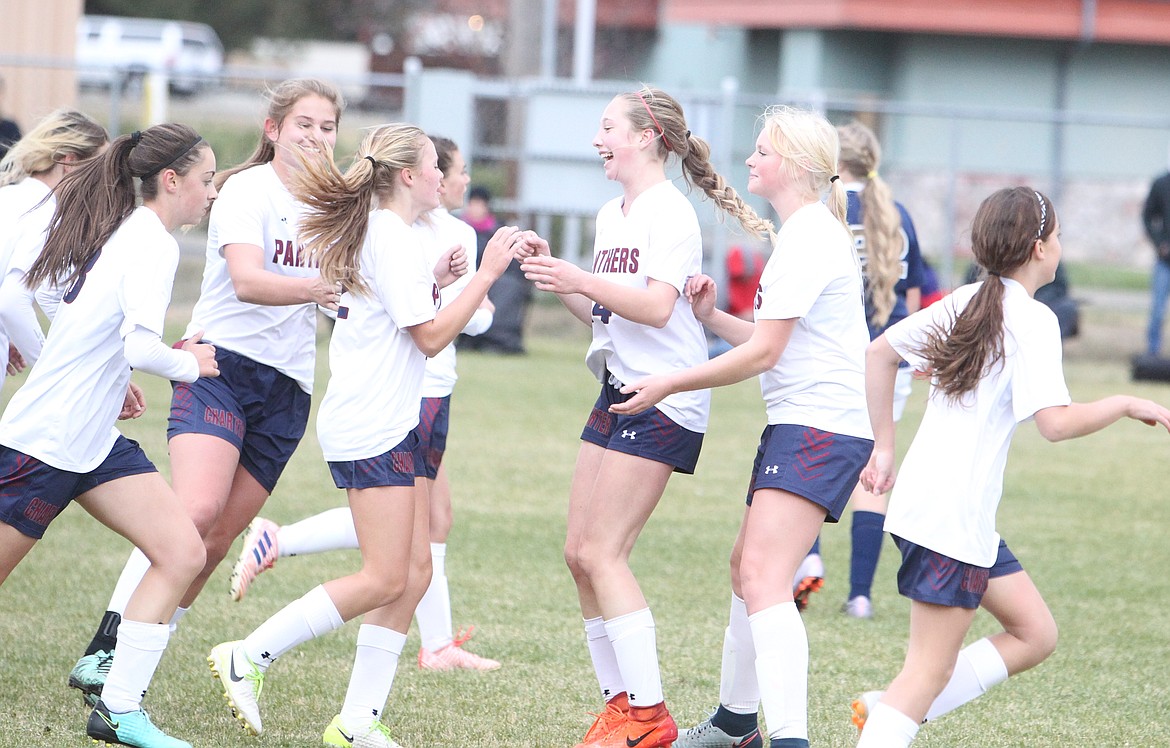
[(782, 669), (605, 665), (739, 688), (374, 665), (140, 647), (294, 624), (132, 574), (886, 727), (331, 530), (636, 649), (434, 610), (978, 668)]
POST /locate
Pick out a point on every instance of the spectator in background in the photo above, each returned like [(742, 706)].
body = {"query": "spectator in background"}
[(511, 294), (9, 130), (1156, 219), (745, 265), (932, 290)]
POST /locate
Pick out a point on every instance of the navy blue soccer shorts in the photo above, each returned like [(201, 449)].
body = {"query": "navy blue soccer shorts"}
[(259, 410), (931, 577), (433, 419), (32, 493), (650, 434), (397, 467), (820, 466)]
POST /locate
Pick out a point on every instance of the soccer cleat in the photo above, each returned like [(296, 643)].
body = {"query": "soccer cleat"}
[(707, 735), (241, 684), (862, 706), (858, 607), (89, 675), (645, 727), (259, 553), (131, 728), (613, 717), (810, 578), (378, 736), (454, 656)]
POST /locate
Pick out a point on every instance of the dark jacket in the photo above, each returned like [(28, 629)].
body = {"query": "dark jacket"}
[(1156, 216)]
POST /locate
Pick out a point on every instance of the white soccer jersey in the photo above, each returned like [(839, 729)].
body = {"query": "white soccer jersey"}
[(658, 239), (64, 413), (254, 207), (376, 371), (439, 231), (21, 222), (813, 276), (951, 480)]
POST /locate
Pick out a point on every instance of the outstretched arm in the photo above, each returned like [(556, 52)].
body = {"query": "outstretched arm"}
[(434, 335), (757, 355), (1080, 419)]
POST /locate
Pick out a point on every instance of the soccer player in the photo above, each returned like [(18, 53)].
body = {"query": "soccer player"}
[(887, 244), (230, 438), (994, 354), (647, 245), (807, 343), (386, 327), (116, 263), (28, 174), (333, 529)]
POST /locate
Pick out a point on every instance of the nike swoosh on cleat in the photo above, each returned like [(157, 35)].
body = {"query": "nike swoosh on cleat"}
[(106, 719), (232, 670), (636, 743), (348, 738), (745, 740)]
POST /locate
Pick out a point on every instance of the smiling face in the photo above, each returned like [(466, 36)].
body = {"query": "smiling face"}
[(308, 126), (765, 168), (616, 140), (454, 182)]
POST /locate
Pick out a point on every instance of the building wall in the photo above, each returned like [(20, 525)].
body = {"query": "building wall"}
[(944, 162), (41, 34)]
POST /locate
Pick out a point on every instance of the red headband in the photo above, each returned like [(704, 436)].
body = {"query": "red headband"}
[(654, 119)]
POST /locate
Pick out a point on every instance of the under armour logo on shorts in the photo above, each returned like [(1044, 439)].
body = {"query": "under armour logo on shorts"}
[(629, 434)]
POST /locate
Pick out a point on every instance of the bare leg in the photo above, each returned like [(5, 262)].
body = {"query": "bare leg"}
[(442, 518), (387, 520), (1029, 634), (625, 491), (936, 635), (778, 529), (413, 565), (144, 510), (245, 500), (14, 546)]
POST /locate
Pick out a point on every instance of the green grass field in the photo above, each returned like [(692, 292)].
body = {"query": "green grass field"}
[(1085, 517)]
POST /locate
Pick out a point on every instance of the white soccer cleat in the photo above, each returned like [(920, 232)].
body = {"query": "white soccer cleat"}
[(377, 736), (242, 683)]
